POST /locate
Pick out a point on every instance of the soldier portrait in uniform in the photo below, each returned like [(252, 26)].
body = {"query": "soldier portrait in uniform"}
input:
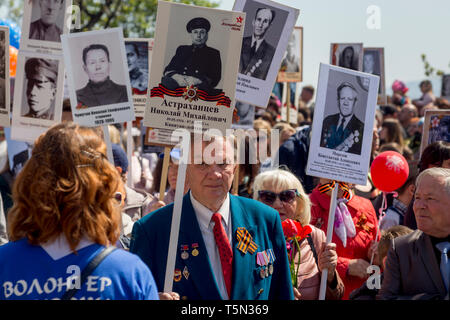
[(41, 87), (343, 131), (46, 26), (100, 89), (136, 62), (197, 64), (256, 52)]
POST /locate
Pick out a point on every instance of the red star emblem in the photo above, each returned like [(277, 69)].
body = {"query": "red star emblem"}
[(239, 19), (435, 122)]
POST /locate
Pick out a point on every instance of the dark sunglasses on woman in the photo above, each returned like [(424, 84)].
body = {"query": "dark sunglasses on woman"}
[(269, 197)]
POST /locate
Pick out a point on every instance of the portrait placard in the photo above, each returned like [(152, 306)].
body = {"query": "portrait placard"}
[(18, 152), (342, 127), (246, 114), (347, 55), (267, 30), (291, 69), (4, 77), (436, 127), (98, 78), (373, 63), (445, 89), (139, 54), (293, 113), (38, 94), (44, 21), (159, 137), (194, 67)]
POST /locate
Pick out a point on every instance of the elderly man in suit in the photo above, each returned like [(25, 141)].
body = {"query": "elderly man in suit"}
[(196, 64), (222, 238), (256, 53), (417, 266), (45, 27), (343, 131)]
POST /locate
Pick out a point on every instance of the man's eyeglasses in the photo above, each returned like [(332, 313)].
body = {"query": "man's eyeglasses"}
[(270, 197)]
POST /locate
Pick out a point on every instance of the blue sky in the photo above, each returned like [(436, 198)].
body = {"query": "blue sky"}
[(408, 28)]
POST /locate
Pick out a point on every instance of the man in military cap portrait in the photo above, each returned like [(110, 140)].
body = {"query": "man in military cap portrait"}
[(195, 64), (41, 75), (100, 89), (45, 27), (256, 52)]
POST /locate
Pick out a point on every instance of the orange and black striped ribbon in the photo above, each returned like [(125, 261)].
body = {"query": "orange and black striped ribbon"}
[(246, 242), (330, 186)]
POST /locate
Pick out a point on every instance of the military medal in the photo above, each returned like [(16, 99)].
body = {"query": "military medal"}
[(271, 260), (177, 275), (260, 262), (266, 262), (186, 272), (184, 254), (195, 250)]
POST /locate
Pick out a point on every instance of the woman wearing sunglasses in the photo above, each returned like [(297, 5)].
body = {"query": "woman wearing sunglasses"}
[(282, 191), (66, 214)]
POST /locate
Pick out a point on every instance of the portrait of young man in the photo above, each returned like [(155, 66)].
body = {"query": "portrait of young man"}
[(343, 131), (41, 86), (197, 64), (46, 28), (100, 89), (256, 52)]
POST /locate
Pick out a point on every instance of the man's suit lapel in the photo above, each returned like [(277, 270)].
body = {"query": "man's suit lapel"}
[(426, 251), (243, 264), (199, 267), (259, 54)]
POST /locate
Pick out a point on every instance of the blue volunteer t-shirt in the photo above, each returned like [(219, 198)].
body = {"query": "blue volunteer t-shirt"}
[(29, 272)]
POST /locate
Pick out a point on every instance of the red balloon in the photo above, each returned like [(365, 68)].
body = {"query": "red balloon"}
[(389, 171)]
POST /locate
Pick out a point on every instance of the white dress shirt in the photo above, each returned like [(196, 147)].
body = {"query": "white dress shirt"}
[(204, 216)]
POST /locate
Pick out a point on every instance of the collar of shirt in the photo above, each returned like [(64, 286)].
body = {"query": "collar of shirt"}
[(204, 214), (346, 120), (59, 248), (258, 42), (399, 206)]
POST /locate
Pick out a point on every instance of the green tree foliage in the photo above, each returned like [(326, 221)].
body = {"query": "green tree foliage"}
[(136, 17), (429, 70)]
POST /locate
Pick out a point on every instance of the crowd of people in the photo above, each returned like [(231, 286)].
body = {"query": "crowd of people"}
[(69, 206)]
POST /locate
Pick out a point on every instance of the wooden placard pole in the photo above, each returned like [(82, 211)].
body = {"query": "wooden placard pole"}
[(176, 216), (288, 101), (331, 214), (107, 139), (165, 170), (235, 189), (130, 154)]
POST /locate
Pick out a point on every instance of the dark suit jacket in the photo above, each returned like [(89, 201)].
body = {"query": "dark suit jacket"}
[(203, 63), (412, 271), (329, 138), (99, 94), (39, 32), (261, 60), (150, 241)]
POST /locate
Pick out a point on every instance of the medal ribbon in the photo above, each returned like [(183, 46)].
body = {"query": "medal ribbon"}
[(246, 242), (330, 186), (221, 98)]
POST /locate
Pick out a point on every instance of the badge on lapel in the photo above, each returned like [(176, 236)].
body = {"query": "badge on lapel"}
[(177, 275)]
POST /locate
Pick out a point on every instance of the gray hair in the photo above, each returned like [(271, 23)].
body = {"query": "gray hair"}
[(282, 179), (437, 172)]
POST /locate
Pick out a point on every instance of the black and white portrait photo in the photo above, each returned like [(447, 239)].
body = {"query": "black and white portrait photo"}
[(47, 20), (373, 63), (137, 61), (347, 55), (196, 64), (261, 35), (342, 134), (291, 65), (98, 76), (445, 91), (41, 78), (38, 94), (246, 114), (43, 24)]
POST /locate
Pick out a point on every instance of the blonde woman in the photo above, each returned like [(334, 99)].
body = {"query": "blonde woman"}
[(282, 191)]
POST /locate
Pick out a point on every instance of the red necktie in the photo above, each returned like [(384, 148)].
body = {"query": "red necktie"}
[(226, 254)]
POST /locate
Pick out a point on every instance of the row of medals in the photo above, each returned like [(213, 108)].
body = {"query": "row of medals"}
[(266, 271)]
